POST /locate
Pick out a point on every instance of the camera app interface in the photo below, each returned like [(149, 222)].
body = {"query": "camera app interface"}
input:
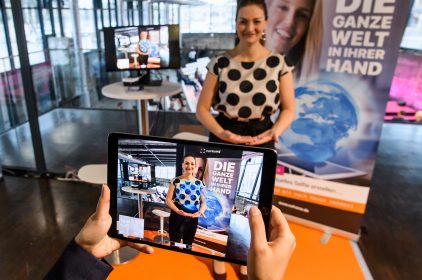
[(187, 196)]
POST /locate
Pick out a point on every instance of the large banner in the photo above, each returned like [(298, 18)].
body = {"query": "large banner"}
[(344, 53)]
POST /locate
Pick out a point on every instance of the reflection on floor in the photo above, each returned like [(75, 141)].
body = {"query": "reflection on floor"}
[(68, 135)]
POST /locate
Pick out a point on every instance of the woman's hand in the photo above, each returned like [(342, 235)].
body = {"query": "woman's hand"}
[(197, 214), (183, 213), (264, 137), (231, 137), (93, 236)]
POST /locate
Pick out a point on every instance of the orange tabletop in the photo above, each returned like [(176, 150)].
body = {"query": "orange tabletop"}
[(311, 260)]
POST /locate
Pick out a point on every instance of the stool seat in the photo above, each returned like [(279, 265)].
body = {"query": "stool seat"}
[(191, 136), (93, 173), (161, 213)]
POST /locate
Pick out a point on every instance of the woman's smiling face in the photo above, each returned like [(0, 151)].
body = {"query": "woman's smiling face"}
[(188, 165), (288, 21), (250, 24)]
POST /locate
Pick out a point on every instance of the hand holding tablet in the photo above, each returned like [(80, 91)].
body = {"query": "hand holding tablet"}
[(207, 189)]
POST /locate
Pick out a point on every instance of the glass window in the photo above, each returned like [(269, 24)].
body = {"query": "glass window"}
[(165, 172), (145, 12), (86, 4), (57, 22), (32, 30), (4, 64), (67, 23), (48, 29), (213, 17), (184, 19), (163, 13), (89, 39), (250, 177), (155, 13), (29, 3), (12, 35), (65, 3), (106, 18)]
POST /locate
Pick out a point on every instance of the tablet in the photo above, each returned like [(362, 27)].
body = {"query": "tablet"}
[(188, 196)]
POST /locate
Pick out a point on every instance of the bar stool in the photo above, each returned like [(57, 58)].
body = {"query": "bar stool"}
[(162, 236)]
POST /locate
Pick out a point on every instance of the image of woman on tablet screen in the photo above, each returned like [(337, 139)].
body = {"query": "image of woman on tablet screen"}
[(186, 200)]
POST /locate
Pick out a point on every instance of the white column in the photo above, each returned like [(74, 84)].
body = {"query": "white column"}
[(79, 56)]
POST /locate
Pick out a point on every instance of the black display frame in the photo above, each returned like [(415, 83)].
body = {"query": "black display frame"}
[(265, 194), (173, 45)]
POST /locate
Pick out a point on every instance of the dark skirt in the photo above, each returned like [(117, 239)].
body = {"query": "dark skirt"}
[(181, 227), (252, 127)]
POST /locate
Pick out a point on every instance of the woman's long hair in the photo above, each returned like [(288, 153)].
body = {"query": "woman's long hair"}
[(306, 56)]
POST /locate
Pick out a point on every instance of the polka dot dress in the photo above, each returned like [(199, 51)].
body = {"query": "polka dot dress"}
[(187, 194), (248, 89)]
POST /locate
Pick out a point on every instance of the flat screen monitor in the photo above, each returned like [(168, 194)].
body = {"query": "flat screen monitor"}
[(139, 172), (142, 47)]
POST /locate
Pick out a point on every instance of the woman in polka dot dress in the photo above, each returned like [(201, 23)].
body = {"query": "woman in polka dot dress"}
[(247, 85), (187, 202)]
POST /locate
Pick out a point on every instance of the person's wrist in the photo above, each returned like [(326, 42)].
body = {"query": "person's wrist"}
[(81, 244), (221, 134), (276, 131)]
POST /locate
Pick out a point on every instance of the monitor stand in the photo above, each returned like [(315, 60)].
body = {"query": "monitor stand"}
[(143, 77)]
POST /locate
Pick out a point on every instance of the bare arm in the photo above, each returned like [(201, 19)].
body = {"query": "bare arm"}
[(287, 100), (170, 203), (203, 204), (204, 115)]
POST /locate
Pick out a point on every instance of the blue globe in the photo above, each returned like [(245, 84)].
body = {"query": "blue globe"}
[(213, 212), (325, 114)]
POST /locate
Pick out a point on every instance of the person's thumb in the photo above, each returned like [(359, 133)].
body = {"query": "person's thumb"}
[(256, 223), (103, 205)]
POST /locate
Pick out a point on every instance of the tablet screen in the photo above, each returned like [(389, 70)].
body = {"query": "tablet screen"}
[(211, 188)]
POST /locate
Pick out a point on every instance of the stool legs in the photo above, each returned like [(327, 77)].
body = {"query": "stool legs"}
[(162, 225)]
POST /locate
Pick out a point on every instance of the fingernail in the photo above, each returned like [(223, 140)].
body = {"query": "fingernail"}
[(254, 211), (102, 190)]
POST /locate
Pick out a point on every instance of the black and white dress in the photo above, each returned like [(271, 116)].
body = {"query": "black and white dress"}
[(248, 93)]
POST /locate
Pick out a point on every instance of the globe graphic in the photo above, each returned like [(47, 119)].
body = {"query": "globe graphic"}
[(325, 115), (214, 214)]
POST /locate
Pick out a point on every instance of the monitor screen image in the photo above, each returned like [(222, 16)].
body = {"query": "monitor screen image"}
[(142, 47)]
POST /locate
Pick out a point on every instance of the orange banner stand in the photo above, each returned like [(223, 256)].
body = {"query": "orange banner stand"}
[(311, 260)]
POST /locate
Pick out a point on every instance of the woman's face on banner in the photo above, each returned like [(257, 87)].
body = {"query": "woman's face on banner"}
[(188, 165), (288, 21), (250, 23)]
